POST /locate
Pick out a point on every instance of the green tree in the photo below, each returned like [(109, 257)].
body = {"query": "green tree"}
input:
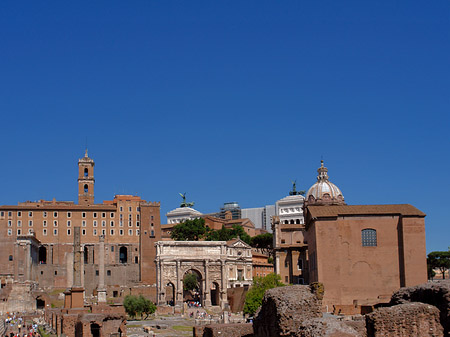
[(135, 306), (254, 297), (146, 307), (439, 260), (226, 234), (190, 281), (130, 303), (189, 230), (263, 242)]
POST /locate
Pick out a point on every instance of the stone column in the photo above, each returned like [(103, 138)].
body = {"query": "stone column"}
[(207, 287), (179, 287), (16, 261), (27, 261), (76, 257), (223, 286), (159, 283), (101, 290), (77, 291)]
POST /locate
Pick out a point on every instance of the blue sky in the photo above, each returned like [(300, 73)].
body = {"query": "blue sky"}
[(228, 101)]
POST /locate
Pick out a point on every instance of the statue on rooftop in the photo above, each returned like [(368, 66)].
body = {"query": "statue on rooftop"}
[(184, 203)]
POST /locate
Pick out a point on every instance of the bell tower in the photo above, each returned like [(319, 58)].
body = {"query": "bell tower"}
[(86, 180)]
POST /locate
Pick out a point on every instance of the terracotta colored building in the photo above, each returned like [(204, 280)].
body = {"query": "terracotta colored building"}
[(36, 239), (361, 253)]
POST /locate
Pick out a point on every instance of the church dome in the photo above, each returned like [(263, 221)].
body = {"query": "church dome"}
[(324, 191)]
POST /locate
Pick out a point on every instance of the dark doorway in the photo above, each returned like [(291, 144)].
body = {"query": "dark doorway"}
[(215, 292), (95, 330), (79, 329), (123, 252), (42, 255), (40, 303), (86, 255)]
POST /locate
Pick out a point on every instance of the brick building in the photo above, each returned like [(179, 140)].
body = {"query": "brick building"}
[(361, 254), (36, 239)]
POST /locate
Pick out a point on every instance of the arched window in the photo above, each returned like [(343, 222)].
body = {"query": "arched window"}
[(86, 172), (292, 222), (369, 237), (123, 255), (86, 188), (297, 221)]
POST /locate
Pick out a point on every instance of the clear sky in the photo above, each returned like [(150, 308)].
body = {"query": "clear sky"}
[(228, 101)]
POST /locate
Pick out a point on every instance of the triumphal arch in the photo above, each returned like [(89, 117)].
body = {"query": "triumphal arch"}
[(219, 265)]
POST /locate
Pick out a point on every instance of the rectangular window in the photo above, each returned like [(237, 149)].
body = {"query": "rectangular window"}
[(69, 232), (10, 214), (44, 214), (152, 217), (95, 232), (19, 232), (137, 232), (112, 248), (121, 208), (103, 223), (129, 209), (137, 217), (19, 213), (130, 224), (111, 232), (83, 232), (83, 223), (112, 215), (129, 217), (44, 223), (9, 223), (121, 216), (19, 223), (69, 214), (30, 223), (55, 223), (44, 231), (55, 232), (83, 215), (95, 214), (30, 214), (299, 264), (138, 209), (9, 232), (69, 223), (103, 215), (111, 223), (152, 233), (137, 223), (369, 237), (108, 272), (121, 232), (130, 232), (30, 231), (55, 214), (95, 223), (103, 231), (121, 223), (2, 214)]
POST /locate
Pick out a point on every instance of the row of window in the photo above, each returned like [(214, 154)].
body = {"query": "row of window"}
[(83, 232), (69, 214), (69, 223)]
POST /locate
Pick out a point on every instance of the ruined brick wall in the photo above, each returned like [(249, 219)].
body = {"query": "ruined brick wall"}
[(434, 293), (409, 319), (228, 330), (284, 309)]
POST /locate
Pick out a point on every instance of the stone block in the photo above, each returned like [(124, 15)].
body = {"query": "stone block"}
[(284, 309), (228, 330), (409, 319), (434, 293)]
